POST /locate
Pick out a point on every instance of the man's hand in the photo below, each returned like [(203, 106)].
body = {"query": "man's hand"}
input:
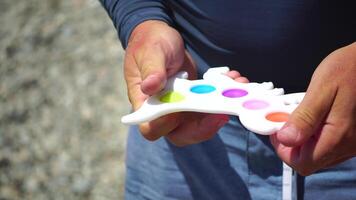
[(154, 53), (321, 132)]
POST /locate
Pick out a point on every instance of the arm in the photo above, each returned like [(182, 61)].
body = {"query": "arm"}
[(155, 51), (127, 14)]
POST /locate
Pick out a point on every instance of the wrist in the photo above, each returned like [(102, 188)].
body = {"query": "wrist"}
[(143, 27)]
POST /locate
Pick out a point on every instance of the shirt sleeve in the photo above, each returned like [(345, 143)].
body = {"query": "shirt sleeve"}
[(127, 14)]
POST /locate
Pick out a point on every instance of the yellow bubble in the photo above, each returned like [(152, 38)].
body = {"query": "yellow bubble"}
[(172, 97)]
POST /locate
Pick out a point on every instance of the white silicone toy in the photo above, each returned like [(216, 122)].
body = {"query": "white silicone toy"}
[(261, 108)]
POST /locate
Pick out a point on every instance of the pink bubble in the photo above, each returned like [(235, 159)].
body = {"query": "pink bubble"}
[(255, 104)]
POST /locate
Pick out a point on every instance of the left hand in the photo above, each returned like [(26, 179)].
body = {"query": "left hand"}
[(321, 132)]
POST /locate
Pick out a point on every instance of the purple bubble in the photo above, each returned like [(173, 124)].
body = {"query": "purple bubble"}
[(255, 104), (234, 93)]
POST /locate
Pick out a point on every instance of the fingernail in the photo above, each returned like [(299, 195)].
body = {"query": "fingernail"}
[(289, 133)]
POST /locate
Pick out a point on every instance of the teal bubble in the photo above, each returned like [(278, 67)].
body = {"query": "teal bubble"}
[(202, 89)]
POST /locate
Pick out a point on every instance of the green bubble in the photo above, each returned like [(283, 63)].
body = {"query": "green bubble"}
[(171, 97)]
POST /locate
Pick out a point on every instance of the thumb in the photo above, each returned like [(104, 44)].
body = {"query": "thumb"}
[(151, 64), (308, 117)]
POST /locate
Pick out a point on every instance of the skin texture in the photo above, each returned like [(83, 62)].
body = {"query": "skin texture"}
[(321, 132), (154, 53)]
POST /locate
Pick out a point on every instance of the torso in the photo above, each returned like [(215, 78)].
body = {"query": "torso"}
[(280, 41)]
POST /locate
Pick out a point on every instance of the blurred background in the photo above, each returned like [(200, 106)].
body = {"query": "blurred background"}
[(62, 95)]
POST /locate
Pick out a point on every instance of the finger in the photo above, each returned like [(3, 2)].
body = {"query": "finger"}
[(325, 148), (336, 138), (332, 143), (295, 156), (242, 79), (233, 74), (287, 154), (160, 127), (164, 125), (316, 153), (307, 117), (133, 82), (336, 162), (198, 127), (151, 63)]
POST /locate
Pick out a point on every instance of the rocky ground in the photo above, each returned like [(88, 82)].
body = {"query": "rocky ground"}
[(61, 99)]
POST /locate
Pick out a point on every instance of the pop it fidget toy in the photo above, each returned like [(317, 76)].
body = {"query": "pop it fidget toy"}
[(261, 108)]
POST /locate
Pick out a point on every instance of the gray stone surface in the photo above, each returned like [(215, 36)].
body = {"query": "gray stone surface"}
[(62, 95)]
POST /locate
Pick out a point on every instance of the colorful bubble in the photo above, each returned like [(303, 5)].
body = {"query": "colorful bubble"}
[(171, 97), (255, 104), (277, 117), (202, 89), (234, 93)]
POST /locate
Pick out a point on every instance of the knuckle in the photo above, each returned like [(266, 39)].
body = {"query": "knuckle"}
[(176, 141), (150, 137), (148, 133), (204, 136), (304, 171), (306, 117), (302, 166)]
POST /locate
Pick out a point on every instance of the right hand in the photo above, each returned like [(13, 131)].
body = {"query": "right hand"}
[(154, 53)]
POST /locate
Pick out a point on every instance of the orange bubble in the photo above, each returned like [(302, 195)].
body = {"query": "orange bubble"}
[(277, 117)]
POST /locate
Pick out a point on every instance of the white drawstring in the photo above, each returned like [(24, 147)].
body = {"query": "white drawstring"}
[(287, 182)]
